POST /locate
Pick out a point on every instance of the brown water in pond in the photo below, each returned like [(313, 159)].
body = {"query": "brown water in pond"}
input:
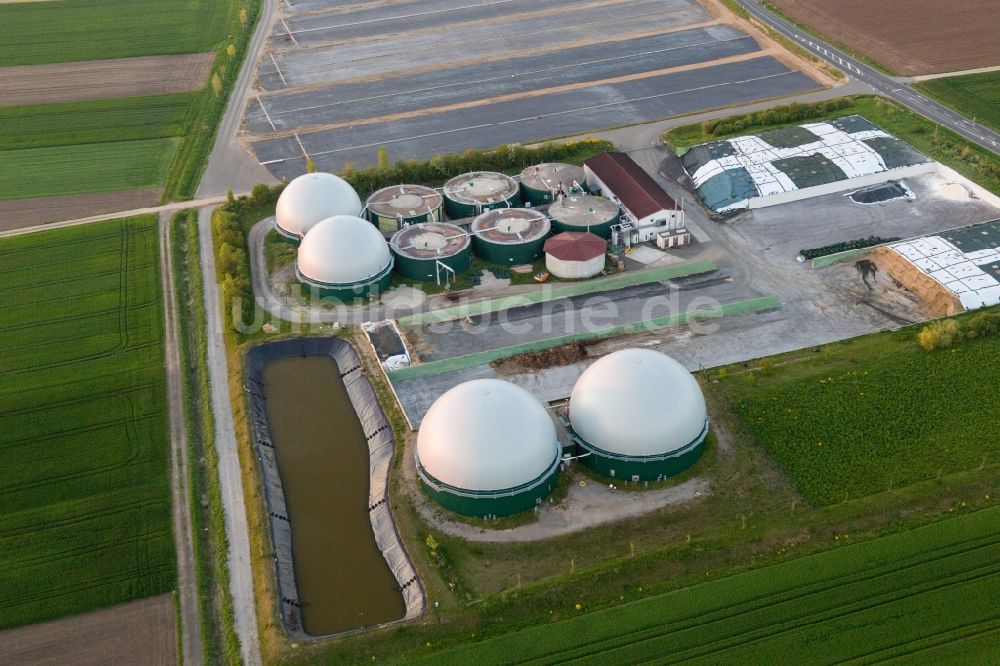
[(343, 580)]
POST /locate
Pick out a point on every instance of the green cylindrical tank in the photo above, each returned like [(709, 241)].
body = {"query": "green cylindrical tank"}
[(586, 212), (392, 208), (510, 235), (419, 247), (470, 194), (542, 183)]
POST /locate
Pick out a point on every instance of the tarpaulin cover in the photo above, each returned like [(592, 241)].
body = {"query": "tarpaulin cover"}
[(381, 445)]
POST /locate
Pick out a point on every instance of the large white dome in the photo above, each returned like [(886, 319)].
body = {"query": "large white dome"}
[(637, 402), (311, 198), (487, 434), (343, 250)]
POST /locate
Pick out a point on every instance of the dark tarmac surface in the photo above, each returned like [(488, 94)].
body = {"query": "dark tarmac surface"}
[(589, 312), (535, 118)]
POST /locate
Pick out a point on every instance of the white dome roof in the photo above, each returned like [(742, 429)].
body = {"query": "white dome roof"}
[(487, 434), (343, 250), (637, 402), (311, 198)]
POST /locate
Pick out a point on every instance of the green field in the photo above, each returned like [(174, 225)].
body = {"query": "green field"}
[(97, 121), (84, 499), (927, 595), (96, 167), (874, 413), (974, 95), (42, 32)]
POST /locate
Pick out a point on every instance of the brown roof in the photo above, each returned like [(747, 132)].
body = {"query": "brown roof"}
[(635, 188), (575, 246)]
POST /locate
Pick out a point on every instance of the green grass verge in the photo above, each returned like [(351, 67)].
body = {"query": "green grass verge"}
[(44, 32), (843, 423), (970, 160), (974, 95), (925, 595), (219, 641), (85, 517), (78, 169)]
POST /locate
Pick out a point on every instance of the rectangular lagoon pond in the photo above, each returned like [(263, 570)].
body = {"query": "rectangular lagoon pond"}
[(343, 581)]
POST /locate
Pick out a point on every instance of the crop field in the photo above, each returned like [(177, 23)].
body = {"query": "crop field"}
[(907, 36), (34, 33), (874, 413), (98, 121), (975, 95), (927, 595), (84, 496), (96, 167)]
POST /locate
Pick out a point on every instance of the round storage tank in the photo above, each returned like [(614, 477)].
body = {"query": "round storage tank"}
[(585, 212), (419, 248), (344, 257), (640, 414), (540, 184), (575, 255), (392, 208), (311, 198), (472, 193), (510, 235), (487, 448)]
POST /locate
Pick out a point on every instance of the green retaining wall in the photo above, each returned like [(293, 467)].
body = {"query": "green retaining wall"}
[(484, 357), (846, 255), (459, 209), (490, 503), (603, 229), (541, 295)]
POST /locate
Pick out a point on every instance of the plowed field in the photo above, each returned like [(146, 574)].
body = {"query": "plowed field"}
[(908, 36)]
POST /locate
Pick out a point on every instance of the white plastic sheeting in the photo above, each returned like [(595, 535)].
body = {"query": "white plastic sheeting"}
[(955, 270), (848, 151)]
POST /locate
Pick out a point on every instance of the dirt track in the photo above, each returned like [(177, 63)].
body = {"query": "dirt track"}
[(908, 36), (137, 633), (29, 212), (104, 79)]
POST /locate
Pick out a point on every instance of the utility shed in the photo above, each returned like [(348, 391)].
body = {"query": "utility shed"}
[(575, 254), (617, 177)]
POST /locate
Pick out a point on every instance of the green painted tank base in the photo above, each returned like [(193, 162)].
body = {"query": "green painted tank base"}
[(424, 269), (285, 237), (652, 470), (491, 506), (456, 210), (508, 255), (603, 229), (351, 293)]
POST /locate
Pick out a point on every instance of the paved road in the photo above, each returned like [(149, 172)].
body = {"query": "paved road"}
[(230, 475), (881, 83), (191, 648), (230, 165)]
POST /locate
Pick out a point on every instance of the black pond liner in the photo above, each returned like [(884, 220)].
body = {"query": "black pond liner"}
[(381, 445), (880, 193)]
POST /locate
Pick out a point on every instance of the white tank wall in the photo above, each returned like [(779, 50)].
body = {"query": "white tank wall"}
[(574, 270)]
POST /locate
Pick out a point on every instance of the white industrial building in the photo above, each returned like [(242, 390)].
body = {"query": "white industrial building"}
[(647, 209), (344, 256)]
